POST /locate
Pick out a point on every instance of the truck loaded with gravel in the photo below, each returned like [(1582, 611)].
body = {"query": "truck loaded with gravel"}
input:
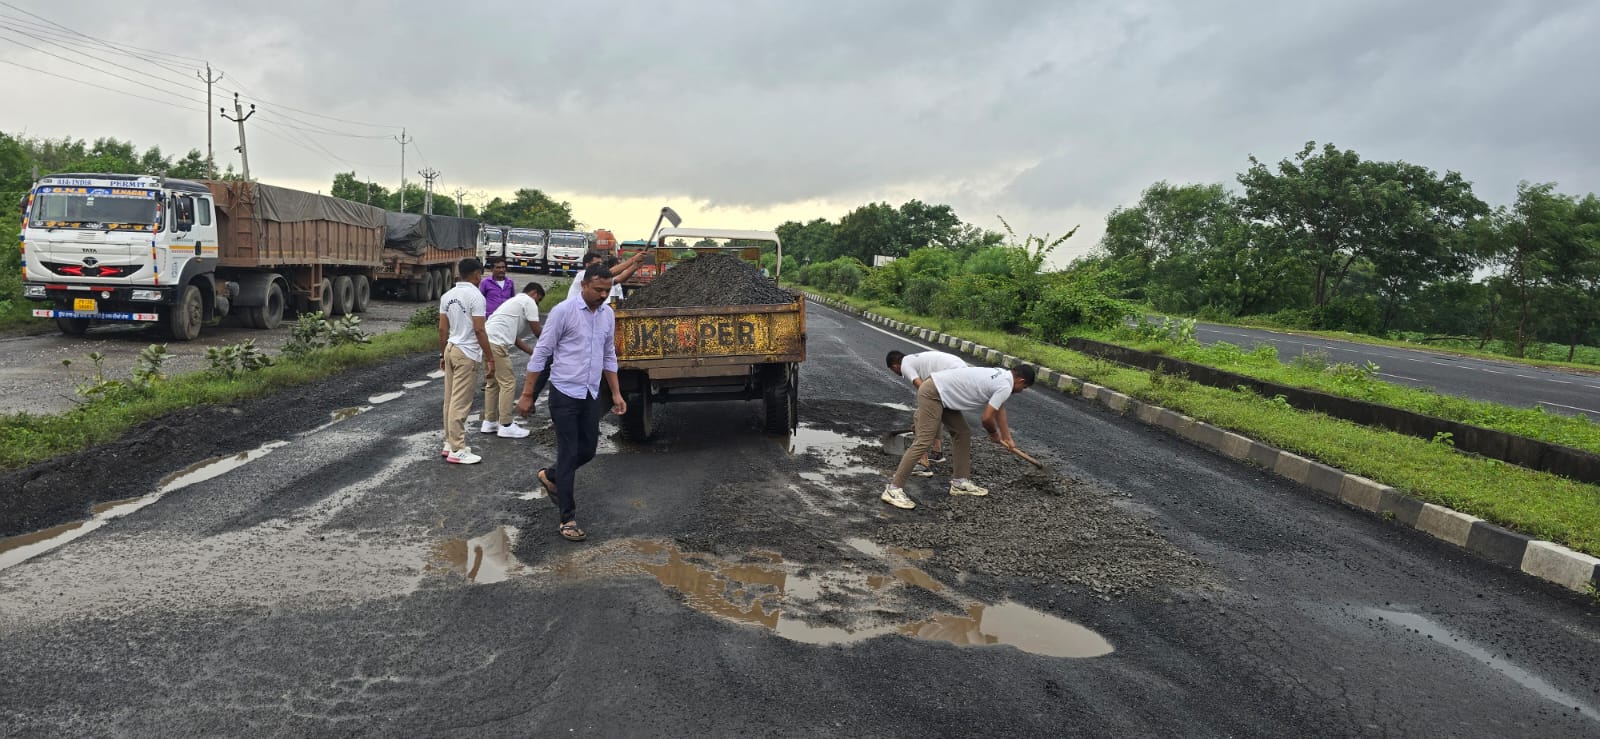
[(181, 253), (711, 326)]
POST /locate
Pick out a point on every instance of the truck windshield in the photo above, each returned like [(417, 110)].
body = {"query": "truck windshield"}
[(524, 237), (92, 208), (569, 241)]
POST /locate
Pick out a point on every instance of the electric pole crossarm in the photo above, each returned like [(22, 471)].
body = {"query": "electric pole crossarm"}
[(239, 117)]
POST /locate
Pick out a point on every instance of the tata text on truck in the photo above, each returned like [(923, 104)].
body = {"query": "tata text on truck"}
[(712, 352), (134, 248)]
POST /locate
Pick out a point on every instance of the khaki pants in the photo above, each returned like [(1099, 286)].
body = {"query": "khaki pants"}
[(930, 414), (500, 388), (460, 384)]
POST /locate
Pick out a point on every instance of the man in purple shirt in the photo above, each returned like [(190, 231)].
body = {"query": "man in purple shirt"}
[(497, 288), (579, 347)]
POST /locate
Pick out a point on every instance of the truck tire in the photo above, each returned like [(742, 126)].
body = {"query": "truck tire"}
[(344, 295), (639, 422), (441, 283), (72, 326), (269, 314), (363, 293), (782, 399), (418, 291), (184, 318), (325, 304)]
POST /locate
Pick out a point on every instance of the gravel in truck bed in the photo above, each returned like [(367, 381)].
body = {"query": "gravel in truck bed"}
[(712, 279)]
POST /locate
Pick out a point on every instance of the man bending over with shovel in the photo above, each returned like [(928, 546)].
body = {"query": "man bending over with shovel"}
[(917, 368), (941, 399)]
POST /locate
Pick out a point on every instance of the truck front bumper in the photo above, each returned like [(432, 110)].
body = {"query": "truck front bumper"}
[(99, 302)]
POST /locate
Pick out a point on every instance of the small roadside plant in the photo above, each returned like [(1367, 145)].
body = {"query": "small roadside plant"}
[(147, 372), (147, 369), (1312, 361), (426, 317), (311, 332), (237, 359), (348, 331)]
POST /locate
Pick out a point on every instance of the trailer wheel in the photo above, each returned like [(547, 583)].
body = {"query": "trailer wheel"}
[(782, 399), (325, 303), (270, 313), (344, 295), (72, 326), (418, 291), (363, 293), (639, 422), (441, 283), (184, 318)]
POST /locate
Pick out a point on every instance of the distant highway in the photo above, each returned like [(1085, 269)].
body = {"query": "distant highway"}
[(1557, 391)]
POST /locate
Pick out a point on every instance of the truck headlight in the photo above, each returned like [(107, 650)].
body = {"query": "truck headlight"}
[(152, 295), (33, 291)]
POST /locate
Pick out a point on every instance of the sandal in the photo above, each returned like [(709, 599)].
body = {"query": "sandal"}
[(549, 487), (571, 532)]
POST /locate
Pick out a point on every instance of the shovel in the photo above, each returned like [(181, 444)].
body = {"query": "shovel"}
[(895, 444)]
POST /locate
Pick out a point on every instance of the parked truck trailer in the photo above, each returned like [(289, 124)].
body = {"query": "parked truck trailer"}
[(110, 247), (420, 253)]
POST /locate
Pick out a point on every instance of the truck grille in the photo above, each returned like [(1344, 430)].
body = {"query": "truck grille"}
[(78, 270)]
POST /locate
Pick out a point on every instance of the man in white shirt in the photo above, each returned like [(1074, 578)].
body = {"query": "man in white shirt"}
[(917, 368), (463, 344), (941, 399), (619, 271), (510, 325)]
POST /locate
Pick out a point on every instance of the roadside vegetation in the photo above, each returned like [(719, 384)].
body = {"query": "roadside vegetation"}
[(319, 348), (1535, 503)]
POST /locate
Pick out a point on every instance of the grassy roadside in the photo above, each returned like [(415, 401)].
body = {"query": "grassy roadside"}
[(1534, 503), (27, 438), (1455, 350), (1354, 382)]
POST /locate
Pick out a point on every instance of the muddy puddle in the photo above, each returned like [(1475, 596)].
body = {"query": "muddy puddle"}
[(414, 384), (337, 417), (17, 549), (802, 603), (836, 453), (382, 398)]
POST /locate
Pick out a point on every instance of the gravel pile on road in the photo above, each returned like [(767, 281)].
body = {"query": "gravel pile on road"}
[(1039, 525), (712, 279)]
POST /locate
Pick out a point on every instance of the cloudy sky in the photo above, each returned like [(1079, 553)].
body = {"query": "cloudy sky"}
[(745, 114)]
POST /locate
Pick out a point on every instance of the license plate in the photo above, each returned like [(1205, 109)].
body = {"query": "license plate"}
[(522, 263), (84, 305)]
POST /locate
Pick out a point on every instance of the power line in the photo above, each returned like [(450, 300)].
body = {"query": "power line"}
[(102, 87), (101, 71), (424, 157), (312, 128), (91, 38)]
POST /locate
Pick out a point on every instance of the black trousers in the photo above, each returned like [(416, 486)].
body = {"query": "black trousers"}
[(577, 424)]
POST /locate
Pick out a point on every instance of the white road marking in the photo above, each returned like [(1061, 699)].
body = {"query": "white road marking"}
[(1558, 382), (906, 339), (1569, 407), (1528, 377), (1399, 377)]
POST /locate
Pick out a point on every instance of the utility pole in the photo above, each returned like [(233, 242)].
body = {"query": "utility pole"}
[(403, 139), (428, 176), (369, 192), (211, 161), (239, 117), (460, 193)]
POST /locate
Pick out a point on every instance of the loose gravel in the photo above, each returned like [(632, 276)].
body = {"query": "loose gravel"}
[(712, 279)]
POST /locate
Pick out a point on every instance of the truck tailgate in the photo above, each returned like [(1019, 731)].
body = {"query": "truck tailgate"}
[(665, 337)]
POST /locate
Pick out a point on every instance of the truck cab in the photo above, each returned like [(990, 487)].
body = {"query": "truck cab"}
[(566, 251), (491, 243), (121, 248), (525, 249)]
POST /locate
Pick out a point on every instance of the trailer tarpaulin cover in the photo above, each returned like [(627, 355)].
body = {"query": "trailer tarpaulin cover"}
[(292, 206), (413, 233)]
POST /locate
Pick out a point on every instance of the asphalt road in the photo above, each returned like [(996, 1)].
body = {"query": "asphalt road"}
[(1567, 393), (345, 581)]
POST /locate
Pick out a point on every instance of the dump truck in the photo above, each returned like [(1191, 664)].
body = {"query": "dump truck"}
[(420, 253), (121, 248), (711, 352), (525, 249)]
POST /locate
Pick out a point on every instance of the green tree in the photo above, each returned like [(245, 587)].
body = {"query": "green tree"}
[(1530, 243), (812, 241), (192, 166), (872, 229), (528, 208)]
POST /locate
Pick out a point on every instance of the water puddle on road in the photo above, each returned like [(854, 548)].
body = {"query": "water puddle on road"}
[(1444, 637), (18, 549), (436, 374), (385, 397), (338, 416), (832, 449), (899, 407), (483, 559), (776, 596), (414, 384)]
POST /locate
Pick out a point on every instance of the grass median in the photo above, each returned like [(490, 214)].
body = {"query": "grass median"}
[(1535, 503), (27, 438)]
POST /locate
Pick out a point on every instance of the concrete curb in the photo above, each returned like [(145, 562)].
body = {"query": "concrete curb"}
[(1545, 560)]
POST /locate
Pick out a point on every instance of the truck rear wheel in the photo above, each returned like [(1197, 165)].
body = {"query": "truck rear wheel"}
[(418, 291), (72, 326), (639, 422), (441, 283), (344, 295), (325, 302), (184, 318), (270, 313), (363, 293), (782, 399)]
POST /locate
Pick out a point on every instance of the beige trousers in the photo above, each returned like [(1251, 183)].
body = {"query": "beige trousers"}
[(460, 384), (930, 414), (500, 388)]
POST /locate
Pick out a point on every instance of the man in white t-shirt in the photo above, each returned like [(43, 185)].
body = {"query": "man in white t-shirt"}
[(619, 271), (917, 368), (463, 344), (941, 399), (510, 325)]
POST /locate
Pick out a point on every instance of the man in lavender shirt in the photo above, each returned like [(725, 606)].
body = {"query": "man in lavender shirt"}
[(497, 288), (579, 347)]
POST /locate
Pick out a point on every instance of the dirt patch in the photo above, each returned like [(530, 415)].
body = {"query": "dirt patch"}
[(66, 488), (712, 279)]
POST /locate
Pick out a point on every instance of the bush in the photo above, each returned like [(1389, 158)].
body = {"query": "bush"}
[(920, 293), (990, 301), (842, 275), (426, 317), (1064, 307), (236, 359)]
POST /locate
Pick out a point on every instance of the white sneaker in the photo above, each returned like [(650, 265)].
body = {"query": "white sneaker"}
[(921, 470), (463, 456), (512, 431), (897, 497), (488, 427), (966, 487), (445, 452)]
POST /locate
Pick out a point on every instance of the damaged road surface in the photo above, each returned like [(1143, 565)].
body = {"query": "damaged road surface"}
[(328, 574)]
